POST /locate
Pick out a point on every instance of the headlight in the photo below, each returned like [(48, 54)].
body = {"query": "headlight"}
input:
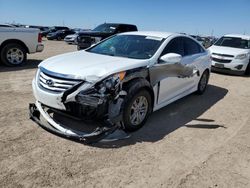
[(112, 82), (241, 56)]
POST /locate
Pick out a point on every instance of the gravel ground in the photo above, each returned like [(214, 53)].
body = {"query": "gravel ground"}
[(198, 141)]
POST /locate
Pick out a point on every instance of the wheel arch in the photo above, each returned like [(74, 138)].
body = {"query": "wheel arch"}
[(143, 84), (9, 41)]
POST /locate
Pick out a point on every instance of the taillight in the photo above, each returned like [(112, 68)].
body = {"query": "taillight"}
[(39, 37)]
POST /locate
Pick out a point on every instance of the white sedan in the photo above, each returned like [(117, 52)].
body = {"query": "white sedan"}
[(120, 80)]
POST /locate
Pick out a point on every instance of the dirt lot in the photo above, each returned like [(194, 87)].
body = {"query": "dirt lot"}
[(199, 141)]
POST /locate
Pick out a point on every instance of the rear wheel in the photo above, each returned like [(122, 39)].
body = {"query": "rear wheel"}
[(13, 54), (203, 82)]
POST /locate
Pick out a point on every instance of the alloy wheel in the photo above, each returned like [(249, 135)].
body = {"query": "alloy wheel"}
[(138, 110), (15, 56)]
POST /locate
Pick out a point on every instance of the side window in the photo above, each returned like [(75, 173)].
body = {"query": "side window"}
[(121, 29), (131, 28), (191, 47), (174, 46)]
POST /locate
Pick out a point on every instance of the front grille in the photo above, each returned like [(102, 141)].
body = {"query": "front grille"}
[(223, 55), (221, 60), (55, 84)]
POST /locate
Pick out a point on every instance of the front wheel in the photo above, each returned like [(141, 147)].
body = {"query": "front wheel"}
[(136, 109), (203, 82)]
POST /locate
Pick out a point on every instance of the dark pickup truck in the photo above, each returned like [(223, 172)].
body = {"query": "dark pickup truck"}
[(86, 39)]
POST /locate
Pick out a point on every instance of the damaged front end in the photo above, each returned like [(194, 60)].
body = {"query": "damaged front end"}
[(103, 101)]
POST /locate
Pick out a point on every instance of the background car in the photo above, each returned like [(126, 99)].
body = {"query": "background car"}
[(204, 41), (6, 25), (53, 29), (86, 39), (60, 34), (231, 54), (72, 39)]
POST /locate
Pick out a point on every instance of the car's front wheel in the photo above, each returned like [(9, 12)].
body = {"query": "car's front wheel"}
[(203, 82), (136, 109)]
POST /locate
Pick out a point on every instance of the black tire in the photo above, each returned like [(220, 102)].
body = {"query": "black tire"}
[(135, 92), (9, 61), (247, 72), (59, 38), (203, 83)]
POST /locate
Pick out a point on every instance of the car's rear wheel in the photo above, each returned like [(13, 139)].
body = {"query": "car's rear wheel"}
[(13, 54), (203, 82)]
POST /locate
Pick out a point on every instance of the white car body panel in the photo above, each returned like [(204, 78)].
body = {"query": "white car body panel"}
[(26, 35)]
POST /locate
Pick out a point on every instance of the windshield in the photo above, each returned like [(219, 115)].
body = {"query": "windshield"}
[(233, 42), (106, 28), (130, 46)]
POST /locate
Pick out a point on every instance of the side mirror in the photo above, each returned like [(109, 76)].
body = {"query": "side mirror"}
[(171, 58)]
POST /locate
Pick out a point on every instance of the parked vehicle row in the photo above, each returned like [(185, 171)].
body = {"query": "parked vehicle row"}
[(60, 34), (205, 41), (53, 29)]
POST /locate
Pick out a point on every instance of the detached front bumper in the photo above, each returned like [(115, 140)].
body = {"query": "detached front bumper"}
[(38, 111), (227, 71), (237, 67)]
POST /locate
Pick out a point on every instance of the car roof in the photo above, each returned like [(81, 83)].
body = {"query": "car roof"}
[(119, 24), (6, 25), (247, 37), (153, 33)]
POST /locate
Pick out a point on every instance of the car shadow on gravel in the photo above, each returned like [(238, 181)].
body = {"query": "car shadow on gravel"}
[(174, 116), (164, 121), (29, 64)]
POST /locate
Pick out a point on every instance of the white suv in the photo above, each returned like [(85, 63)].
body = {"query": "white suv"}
[(231, 54), (120, 81)]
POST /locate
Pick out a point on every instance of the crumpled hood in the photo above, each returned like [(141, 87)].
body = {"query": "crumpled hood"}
[(89, 66), (227, 50)]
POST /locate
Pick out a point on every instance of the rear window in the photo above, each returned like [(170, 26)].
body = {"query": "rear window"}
[(233, 42)]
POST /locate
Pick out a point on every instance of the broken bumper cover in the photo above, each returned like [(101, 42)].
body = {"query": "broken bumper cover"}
[(100, 133)]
